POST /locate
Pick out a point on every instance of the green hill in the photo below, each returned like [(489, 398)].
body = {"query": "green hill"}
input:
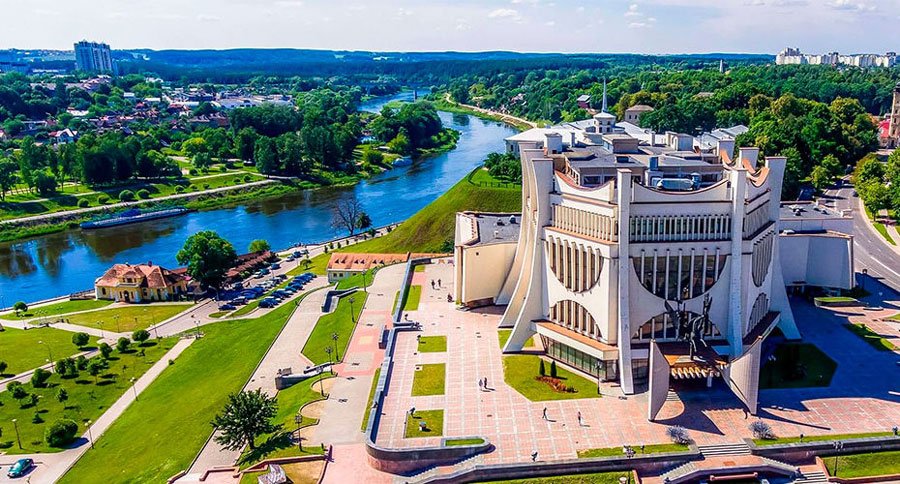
[(431, 229)]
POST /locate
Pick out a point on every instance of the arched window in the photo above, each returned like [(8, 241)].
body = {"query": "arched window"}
[(662, 328), (574, 316), (575, 265)]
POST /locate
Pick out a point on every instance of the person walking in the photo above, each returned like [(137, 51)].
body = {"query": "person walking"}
[(439, 283), (580, 424), (480, 385), (544, 416), (485, 383)]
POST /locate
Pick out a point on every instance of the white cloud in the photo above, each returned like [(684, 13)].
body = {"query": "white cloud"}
[(403, 12), (203, 17), (289, 3), (503, 13), (550, 23), (633, 11), (851, 5)]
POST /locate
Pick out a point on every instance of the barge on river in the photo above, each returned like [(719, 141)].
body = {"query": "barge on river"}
[(133, 216)]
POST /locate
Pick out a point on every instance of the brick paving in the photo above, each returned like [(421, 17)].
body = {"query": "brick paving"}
[(864, 394)]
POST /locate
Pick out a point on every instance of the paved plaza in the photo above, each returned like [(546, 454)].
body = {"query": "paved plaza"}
[(864, 394)]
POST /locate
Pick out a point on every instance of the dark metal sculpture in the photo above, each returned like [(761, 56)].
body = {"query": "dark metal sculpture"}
[(690, 329)]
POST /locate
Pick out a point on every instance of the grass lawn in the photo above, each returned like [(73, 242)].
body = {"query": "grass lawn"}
[(362, 279), (430, 228), (884, 233), (429, 380), (864, 465), (871, 337), (129, 318), (339, 321), (594, 478), (434, 424), (371, 398), (420, 268), (817, 438), (432, 344), (835, 299), (59, 308), (411, 303), (20, 349), (180, 404), (317, 265), (279, 444), (617, 451), (503, 336), (88, 398), (458, 442), (519, 372), (785, 371)]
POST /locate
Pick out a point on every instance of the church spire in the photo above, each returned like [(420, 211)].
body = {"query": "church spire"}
[(603, 109)]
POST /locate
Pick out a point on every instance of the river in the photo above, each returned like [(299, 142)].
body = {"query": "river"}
[(66, 262)]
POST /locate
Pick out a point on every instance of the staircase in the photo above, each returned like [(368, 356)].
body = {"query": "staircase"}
[(434, 471), (811, 477), (675, 474), (724, 449)]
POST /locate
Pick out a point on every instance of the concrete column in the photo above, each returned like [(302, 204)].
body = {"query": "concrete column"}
[(735, 313), (623, 189)]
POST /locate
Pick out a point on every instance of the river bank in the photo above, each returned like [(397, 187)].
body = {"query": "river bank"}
[(66, 261)]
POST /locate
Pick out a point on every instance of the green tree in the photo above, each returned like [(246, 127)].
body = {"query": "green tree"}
[(3, 367), (61, 433), (105, 350), (39, 378), (140, 336), (202, 161), (95, 367), (45, 182), (247, 415), (8, 176), (122, 344), (265, 155), (820, 177), (207, 257), (80, 339), (245, 143), (20, 307), (62, 395), (259, 245)]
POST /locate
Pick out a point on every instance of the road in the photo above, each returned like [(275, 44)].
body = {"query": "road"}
[(871, 252)]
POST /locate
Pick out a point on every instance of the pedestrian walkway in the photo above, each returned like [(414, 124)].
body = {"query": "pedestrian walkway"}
[(25, 376), (50, 467), (284, 353)]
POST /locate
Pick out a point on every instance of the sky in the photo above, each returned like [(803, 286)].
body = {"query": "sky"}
[(652, 26)]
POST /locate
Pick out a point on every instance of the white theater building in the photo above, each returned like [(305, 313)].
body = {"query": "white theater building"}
[(616, 221)]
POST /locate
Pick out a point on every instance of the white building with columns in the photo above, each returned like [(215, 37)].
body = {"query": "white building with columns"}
[(614, 226)]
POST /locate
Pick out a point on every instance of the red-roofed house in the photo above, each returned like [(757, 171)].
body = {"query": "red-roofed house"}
[(140, 283)]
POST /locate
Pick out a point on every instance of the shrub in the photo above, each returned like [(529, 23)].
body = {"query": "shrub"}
[(193, 172), (126, 195), (122, 344), (678, 434), (3, 367), (17, 390), (206, 186), (81, 339), (36, 419), (81, 362), (39, 378), (762, 430), (143, 193), (247, 178), (179, 189), (541, 370), (140, 336), (103, 199), (105, 350), (223, 168), (83, 203), (61, 433), (552, 369)]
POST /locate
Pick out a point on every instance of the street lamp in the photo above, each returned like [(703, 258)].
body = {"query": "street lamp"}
[(352, 313), (100, 324), (90, 435), (598, 364), (18, 440), (118, 328), (298, 419), (865, 273), (49, 351), (133, 389), (334, 337), (838, 446)]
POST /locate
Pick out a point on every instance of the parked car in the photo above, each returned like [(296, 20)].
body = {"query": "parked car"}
[(264, 271), (275, 266), (226, 307), (20, 468), (268, 302), (240, 301)]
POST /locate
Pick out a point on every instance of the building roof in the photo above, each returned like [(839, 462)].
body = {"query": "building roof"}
[(351, 262), (490, 228), (640, 108), (151, 276), (795, 210)]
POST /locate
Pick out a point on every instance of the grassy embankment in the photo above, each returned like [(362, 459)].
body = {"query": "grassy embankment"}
[(339, 322), (129, 318), (451, 107), (56, 309), (430, 230), (160, 434), (23, 350)]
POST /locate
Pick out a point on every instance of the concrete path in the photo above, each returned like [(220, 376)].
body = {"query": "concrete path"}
[(284, 352), (25, 376), (50, 467)]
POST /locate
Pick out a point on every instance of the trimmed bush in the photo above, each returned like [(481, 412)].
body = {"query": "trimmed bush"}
[(552, 369), (678, 434), (83, 203), (179, 189), (143, 193), (247, 178), (193, 172), (762, 430), (61, 433), (206, 186), (126, 195), (541, 370), (103, 199), (39, 378)]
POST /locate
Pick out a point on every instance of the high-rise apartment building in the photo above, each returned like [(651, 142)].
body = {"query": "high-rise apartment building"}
[(93, 57)]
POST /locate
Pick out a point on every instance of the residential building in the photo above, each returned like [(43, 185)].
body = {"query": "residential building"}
[(93, 57), (633, 114), (140, 283), (629, 236), (793, 55), (342, 265), (894, 126)]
